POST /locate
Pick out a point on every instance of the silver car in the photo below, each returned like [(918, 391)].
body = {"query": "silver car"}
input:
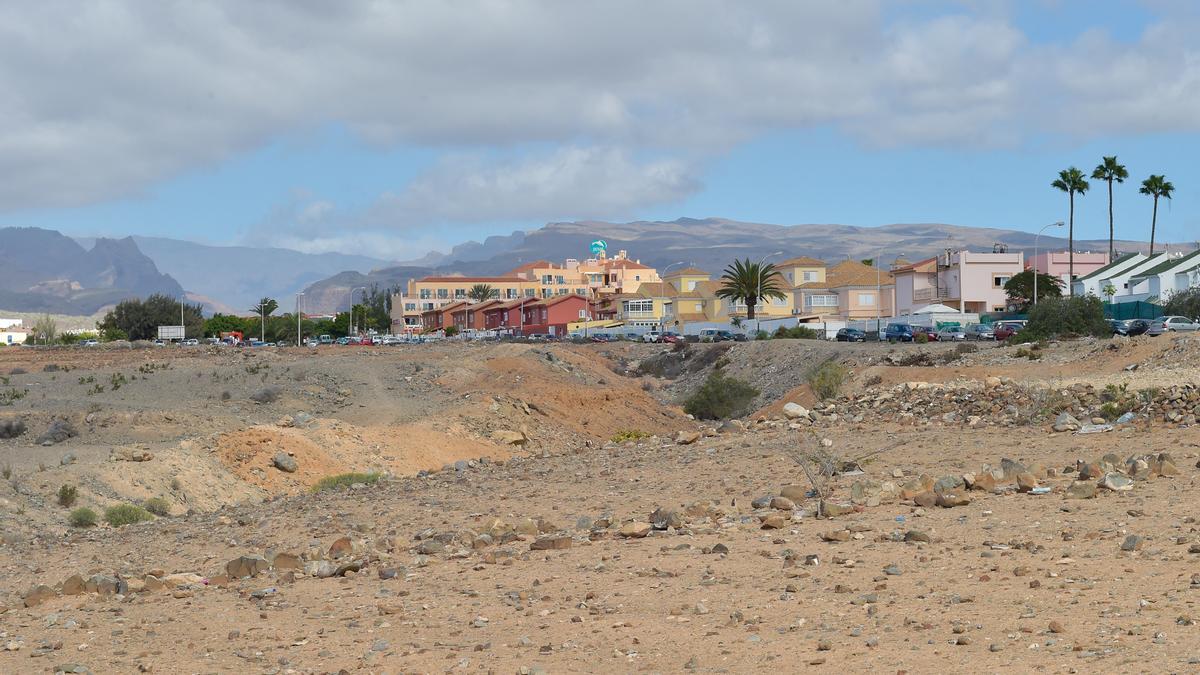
[(980, 331), (951, 334), (1170, 324)]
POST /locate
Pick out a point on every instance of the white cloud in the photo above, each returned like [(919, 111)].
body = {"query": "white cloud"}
[(122, 94)]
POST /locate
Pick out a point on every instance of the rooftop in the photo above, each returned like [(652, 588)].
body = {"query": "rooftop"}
[(1112, 265), (1166, 265)]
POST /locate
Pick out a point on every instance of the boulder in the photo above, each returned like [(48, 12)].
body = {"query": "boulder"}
[(73, 585), (287, 561), (795, 411), (687, 437), (662, 519), (246, 566), (38, 594), (1116, 482), (552, 543), (285, 462), (1065, 422), (509, 437), (1082, 489), (796, 493), (634, 530)]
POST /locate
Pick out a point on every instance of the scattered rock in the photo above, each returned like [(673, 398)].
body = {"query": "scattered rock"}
[(285, 462), (59, 431), (1133, 543), (38, 594), (795, 411), (634, 530), (553, 543), (1116, 482), (687, 437), (246, 566), (509, 437)]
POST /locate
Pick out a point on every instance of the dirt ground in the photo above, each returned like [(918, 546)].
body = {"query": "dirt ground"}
[(514, 559)]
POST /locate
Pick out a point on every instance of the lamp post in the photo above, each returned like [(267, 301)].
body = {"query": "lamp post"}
[(299, 296), (758, 321), (662, 283), (1036, 237), (351, 324), (879, 290)]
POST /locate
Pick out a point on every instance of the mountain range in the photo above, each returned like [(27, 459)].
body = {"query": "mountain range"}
[(49, 272)]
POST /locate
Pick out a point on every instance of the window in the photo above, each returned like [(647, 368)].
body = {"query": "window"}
[(460, 293), (637, 306), (510, 293), (559, 279), (426, 294), (810, 276), (410, 306), (546, 279), (779, 302), (699, 306), (822, 301), (442, 294), (999, 280), (581, 291), (789, 276), (562, 291), (866, 299), (637, 277), (546, 292), (691, 285), (530, 293)]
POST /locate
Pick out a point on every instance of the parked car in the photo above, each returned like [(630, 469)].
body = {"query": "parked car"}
[(1006, 329), (980, 331), (91, 343), (850, 335), (160, 343), (951, 334), (651, 336), (670, 338), (191, 342), (1170, 324), (1130, 327), (897, 332), (929, 333), (600, 337), (328, 340), (716, 335)]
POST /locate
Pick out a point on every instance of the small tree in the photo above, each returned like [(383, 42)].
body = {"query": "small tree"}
[(1067, 317), (720, 397), (45, 329), (1019, 288), (264, 308)]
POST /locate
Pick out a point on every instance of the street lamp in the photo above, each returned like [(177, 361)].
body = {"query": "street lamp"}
[(299, 296), (1036, 237), (758, 321), (356, 288), (662, 282), (879, 290)]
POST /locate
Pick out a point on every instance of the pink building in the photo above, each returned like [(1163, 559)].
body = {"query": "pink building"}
[(1058, 264), (968, 282)]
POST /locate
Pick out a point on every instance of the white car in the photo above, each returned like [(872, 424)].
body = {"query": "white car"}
[(91, 343), (652, 336), (1168, 324)]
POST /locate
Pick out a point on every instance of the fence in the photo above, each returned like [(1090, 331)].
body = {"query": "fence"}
[(1138, 309)]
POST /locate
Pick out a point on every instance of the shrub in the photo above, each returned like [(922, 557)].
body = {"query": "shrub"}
[(827, 380), (6, 471), (1066, 317), (720, 397), (158, 506), (67, 495), (343, 480), (1031, 353), (83, 517), (796, 333), (921, 338), (451, 331), (1118, 400), (126, 514), (628, 435), (1183, 303), (12, 428)]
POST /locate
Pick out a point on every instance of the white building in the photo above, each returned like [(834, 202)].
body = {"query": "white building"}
[(1155, 284), (9, 323), (1117, 275), (12, 336)]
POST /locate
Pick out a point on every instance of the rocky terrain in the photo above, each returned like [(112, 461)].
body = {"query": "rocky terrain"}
[(526, 508)]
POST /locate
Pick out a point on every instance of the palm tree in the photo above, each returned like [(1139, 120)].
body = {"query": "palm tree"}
[(481, 292), (1071, 181), (1156, 186), (750, 282), (264, 308), (1108, 171)]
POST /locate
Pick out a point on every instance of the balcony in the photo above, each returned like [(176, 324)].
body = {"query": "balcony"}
[(931, 294)]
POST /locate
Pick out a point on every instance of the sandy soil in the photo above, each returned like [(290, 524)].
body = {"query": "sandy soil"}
[(1010, 581)]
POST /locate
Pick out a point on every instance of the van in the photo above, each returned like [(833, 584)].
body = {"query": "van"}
[(897, 332)]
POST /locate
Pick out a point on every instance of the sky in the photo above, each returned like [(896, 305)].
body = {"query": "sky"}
[(394, 128)]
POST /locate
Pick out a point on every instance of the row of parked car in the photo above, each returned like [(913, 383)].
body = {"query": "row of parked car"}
[(1153, 327), (903, 332)]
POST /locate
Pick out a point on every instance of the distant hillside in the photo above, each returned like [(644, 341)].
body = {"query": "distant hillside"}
[(45, 271), (709, 243)]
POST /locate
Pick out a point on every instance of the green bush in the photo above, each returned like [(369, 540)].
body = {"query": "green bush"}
[(67, 495), (629, 435), (126, 514), (1066, 317), (921, 338), (796, 333), (84, 517), (827, 380), (344, 480), (1183, 303), (158, 506), (720, 397), (451, 331)]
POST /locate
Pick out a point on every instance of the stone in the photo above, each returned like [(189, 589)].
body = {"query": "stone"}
[(948, 484), (285, 462), (1026, 481), (761, 502), (985, 482), (917, 536), (1133, 543), (509, 437), (59, 431), (795, 411), (130, 454), (773, 521), (634, 530), (1081, 489), (949, 500), (1089, 470), (782, 503), (430, 547), (73, 585), (1056, 627), (321, 569), (1116, 482), (663, 519), (38, 594), (340, 547), (287, 561), (246, 566), (553, 543), (834, 509), (796, 493), (687, 437), (104, 584), (925, 499), (836, 535), (67, 459), (1065, 422), (892, 570), (1009, 468)]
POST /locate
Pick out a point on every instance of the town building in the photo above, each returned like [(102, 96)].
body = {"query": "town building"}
[(970, 282), (1058, 263), (847, 291), (13, 335), (1174, 273), (1113, 280)]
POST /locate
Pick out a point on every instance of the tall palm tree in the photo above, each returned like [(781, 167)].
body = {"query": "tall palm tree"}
[(264, 308), (1156, 186), (1072, 182), (1108, 171), (481, 292), (750, 282)]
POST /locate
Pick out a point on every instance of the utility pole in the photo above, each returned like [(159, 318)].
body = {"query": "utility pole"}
[(757, 320), (298, 317)]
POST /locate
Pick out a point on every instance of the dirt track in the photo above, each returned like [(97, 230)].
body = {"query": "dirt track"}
[(980, 595)]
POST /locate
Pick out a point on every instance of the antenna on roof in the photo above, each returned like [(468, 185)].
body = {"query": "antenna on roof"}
[(999, 248)]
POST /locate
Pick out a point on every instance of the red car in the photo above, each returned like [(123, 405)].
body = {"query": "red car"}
[(670, 338), (1005, 330), (928, 332)]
